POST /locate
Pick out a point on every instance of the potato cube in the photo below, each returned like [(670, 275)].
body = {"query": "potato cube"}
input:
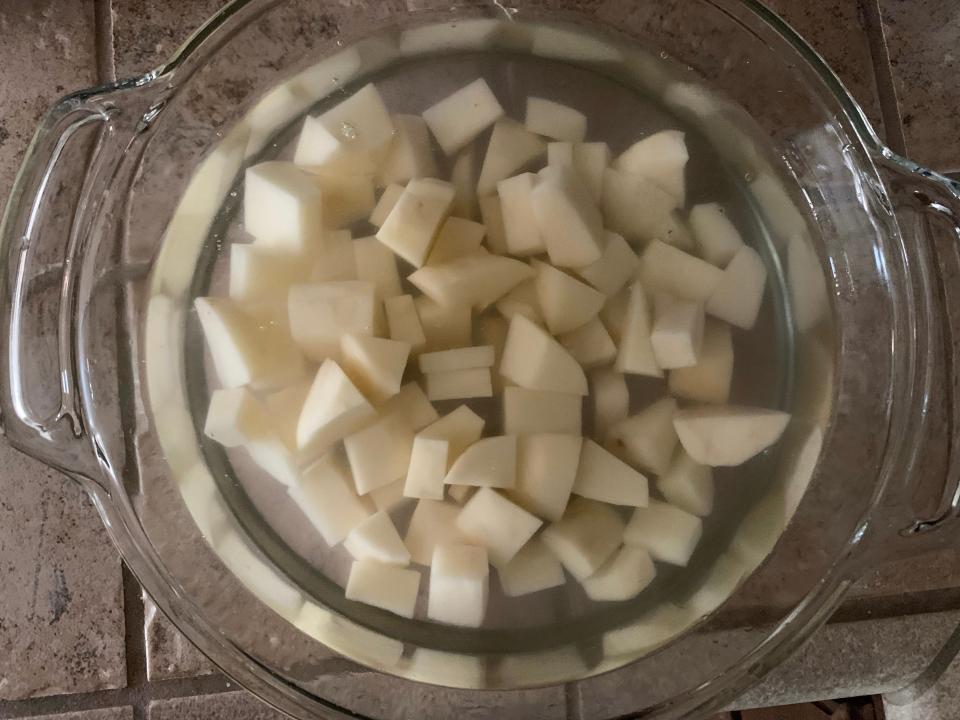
[(489, 462), (445, 326), (459, 585), (410, 155), (460, 117), (590, 344), (473, 281), (489, 519), (726, 435), (616, 266), (807, 283), (384, 586), (567, 215), (412, 405), (557, 121), (428, 468), (325, 495), (604, 477), (665, 269), (272, 456), (661, 157), (614, 314), (511, 147), (463, 177), (648, 438), (479, 356), (235, 416), (709, 380), (335, 260), (460, 493), (432, 523), (457, 238), (717, 238), (677, 332), (668, 533), (404, 322), (282, 206), (283, 407), (388, 199), (520, 226), (634, 206), (389, 496), (538, 411), (380, 453), (688, 485), (321, 313), (263, 274), (560, 154), (346, 198), (546, 470), (461, 428), (523, 299), (415, 219), (721, 580), (333, 409), (610, 397), (566, 302), (459, 384), (622, 577), (377, 539), (534, 360), (636, 349), (374, 365), (377, 265), (585, 538), (739, 294), (491, 211), (591, 160), (532, 569), (654, 628)]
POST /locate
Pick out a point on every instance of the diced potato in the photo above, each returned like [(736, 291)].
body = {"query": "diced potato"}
[(325, 495), (258, 576), (282, 206), (546, 470), (614, 313), (345, 636), (463, 177), (489, 462), (244, 351), (677, 332), (491, 212), (389, 496), (719, 584), (380, 453), (492, 330), (725, 435), (404, 322), (536, 411), (377, 265), (557, 121), (283, 407), (523, 299), (377, 539), (560, 154), (432, 523), (459, 384), (739, 294), (333, 409), (557, 42), (259, 274), (665, 269), (585, 538), (272, 456), (350, 137), (604, 477), (666, 621), (489, 519), (384, 586), (452, 669), (479, 356), (610, 397), (622, 577), (235, 416), (590, 344), (428, 467), (566, 302), (457, 238), (472, 281), (374, 365), (668, 533), (807, 283), (615, 267), (346, 198), (412, 405), (459, 585), (460, 117), (460, 493), (445, 326), (778, 208), (648, 438), (461, 428), (636, 349), (569, 220), (532, 569), (385, 204), (709, 380), (322, 312), (415, 219), (534, 360), (717, 238), (335, 261), (672, 230), (634, 206), (410, 155), (688, 485), (662, 157), (511, 147), (591, 160), (521, 229)]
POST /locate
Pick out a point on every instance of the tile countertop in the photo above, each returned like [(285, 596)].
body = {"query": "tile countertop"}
[(75, 635)]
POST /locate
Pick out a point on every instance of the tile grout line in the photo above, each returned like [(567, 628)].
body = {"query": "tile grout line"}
[(883, 76), (103, 34)]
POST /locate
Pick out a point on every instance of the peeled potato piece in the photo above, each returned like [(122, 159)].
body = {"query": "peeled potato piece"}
[(532, 569), (460, 117), (376, 264), (459, 384), (490, 462), (491, 211), (538, 411), (263, 274), (622, 577), (457, 237), (461, 428), (634, 206), (604, 477), (412, 405), (410, 155), (616, 266), (433, 523), (235, 416), (666, 269), (523, 299), (688, 485), (648, 438), (717, 238), (377, 539), (325, 495), (534, 360), (463, 177), (282, 206), (725, 435), (384, 586), (489, 519), (374, 365), (661, 157), (445, 326), (521, 230), (380, 453), (587, 535), (511, 147), (668, 533), (739, 294), (428, 468), (385, 204), (336, 260), (321, 313), (591, 160), (709, 380), (546, 470), (677, 332), (567, 215), (554, 120), (636, 354), (610, 397), (590, 344), (333, 409), (412, 225), (459, 585), (476, 280), (404, 322), (566, 302), (479, 356)]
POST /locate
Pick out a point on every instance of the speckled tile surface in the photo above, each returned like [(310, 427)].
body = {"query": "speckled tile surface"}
[(119, 713), (224, 706), (168, 653)]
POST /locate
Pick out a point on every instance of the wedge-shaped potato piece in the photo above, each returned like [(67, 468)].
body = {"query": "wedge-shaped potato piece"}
[(610, 398), (460, 493), (461, 428), (668, 533), (377, 539), (463, 177), (282, 206), (569, 220), (591, 160), (321, 313), (432, 523), (634, 206), (555, 120), (457, 238), (614, 314), (389, 496), (585, 538), (537, 411), (272, 456), (739, 294), (460, 117), (404, 322), (410, 155), (333, 409), (235, 416), (511, 147), (604, 477), (523, 299), (778, 208), (263, 274), (560, 154), (615, 268), (413, 223), (472, 281), (717, 237), (662, 157), (388, 199), (489, 462), (622, 577), (521, 229), (665, 269), (428, 468), (664, 622), (503, 527), (459, 384), (283, 407), (245, 351), (546, 470), (726, 435), (478, 356), (335, 260), (807, 283), (445, 326), (376, 264), (380, 453), (492, 330), (532, 569), (491, 211), (325, 495), (374, 365), (721, 580), (534, 360), (346, 198), (648, 438), (412, 405), (636, 349), (384, 586), (566, 302), (590, 344), (677, 332), (709, 380), (459, 585), (688, 485)]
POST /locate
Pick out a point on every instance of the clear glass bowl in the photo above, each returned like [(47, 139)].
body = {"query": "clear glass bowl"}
[(122, 207)]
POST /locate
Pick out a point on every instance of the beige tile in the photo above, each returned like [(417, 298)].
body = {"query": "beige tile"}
[(224, 706)]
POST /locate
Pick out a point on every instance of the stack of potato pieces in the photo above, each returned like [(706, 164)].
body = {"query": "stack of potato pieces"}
[(541, 276)]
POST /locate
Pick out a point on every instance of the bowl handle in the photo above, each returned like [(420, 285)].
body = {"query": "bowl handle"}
[(43, 235)]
